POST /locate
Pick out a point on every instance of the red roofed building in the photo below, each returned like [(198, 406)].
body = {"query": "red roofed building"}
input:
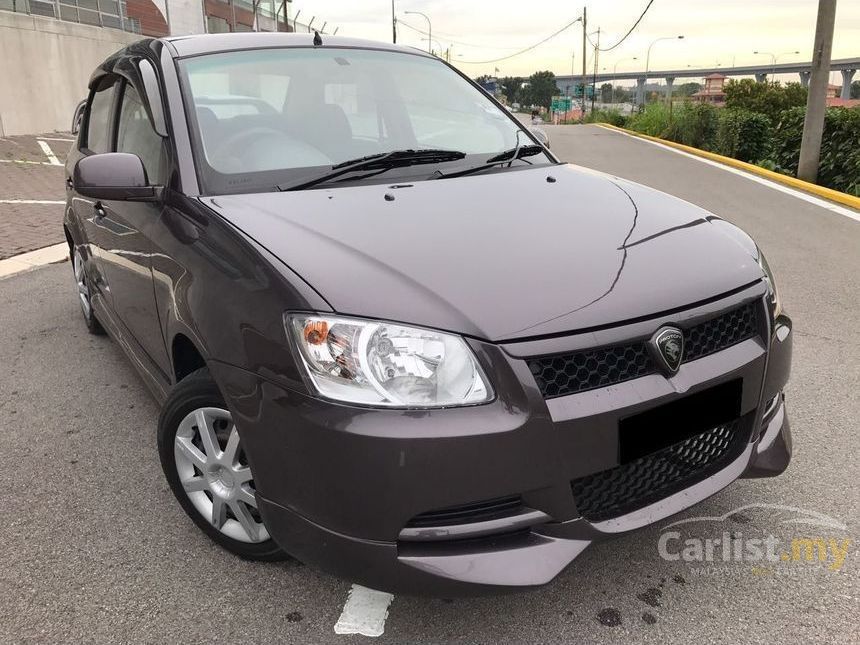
[(713, 91)]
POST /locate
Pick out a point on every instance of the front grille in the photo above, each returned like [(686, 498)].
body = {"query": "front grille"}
[(563, 374), (490, 509), (631, 486), (721, 332)]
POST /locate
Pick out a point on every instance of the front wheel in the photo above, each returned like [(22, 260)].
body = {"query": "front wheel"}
[(202, 458), (84, 295)]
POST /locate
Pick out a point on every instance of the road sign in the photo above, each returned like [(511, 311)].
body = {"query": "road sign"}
[(561, 103)]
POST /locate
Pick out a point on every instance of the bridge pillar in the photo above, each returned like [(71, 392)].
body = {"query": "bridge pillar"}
[(847, 75), (761, 77), (804, 78), (640, 90), (670, 81)]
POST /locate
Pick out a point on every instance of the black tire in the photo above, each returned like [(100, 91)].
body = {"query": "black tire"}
[(199, 390), (93, 325)]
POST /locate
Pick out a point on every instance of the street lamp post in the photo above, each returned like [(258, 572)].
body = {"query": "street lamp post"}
[(773, 59), (429, 28), (433, 40), (615, 71), (648, 55)]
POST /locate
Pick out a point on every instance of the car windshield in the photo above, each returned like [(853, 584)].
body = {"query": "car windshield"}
[(269, 117)]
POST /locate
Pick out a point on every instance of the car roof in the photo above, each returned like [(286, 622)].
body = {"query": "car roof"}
[(212, 43)]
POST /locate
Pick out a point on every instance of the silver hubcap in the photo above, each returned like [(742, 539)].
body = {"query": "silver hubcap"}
[(83, 288), (215, 474)]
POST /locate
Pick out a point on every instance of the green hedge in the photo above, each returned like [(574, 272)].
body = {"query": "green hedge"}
[(609, 115), (755, 137), (653, 120), (743, 135), (839, 164)]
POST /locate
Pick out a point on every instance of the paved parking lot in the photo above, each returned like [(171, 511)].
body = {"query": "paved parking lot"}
[(31, 192), (95, 549)]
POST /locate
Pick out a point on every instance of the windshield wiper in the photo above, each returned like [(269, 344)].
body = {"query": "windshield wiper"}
[(381, 162), (506, 157)]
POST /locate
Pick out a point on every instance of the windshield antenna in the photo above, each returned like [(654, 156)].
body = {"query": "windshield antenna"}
[(317, 39)]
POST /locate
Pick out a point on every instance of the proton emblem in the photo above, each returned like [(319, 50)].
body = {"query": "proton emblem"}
[(667, 345)]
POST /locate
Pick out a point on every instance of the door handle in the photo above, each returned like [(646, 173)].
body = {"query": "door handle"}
[(100, 211)]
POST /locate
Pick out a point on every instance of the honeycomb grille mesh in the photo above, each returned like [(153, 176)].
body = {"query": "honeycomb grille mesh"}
[(721, 332), (564, 374), (626, 488), (559, 375)]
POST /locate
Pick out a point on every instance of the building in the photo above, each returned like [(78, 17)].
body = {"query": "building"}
[(49, 48), (713, 90)]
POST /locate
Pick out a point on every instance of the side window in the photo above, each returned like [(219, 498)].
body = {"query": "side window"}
[(98, 117), (136, 135)]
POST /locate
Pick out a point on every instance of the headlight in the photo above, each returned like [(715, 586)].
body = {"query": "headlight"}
[(772, 293), (386, 364)]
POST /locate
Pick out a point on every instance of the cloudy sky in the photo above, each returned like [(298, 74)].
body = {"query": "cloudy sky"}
[(715, 31)]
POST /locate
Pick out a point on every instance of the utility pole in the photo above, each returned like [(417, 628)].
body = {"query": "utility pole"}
[(816, 102), (594, 76), (393, 24), (584, 70)]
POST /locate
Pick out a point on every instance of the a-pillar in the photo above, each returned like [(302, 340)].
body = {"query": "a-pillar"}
[(761, 77), (640, 90), (847, 75), (804, 78)]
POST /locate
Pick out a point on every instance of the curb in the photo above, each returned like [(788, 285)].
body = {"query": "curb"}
[(33, 259), (820, 191)]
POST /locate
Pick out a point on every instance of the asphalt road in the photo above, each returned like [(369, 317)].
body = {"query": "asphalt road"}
[(93, 548)]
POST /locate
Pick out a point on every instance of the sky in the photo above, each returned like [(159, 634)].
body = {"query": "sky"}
[(715, 31)]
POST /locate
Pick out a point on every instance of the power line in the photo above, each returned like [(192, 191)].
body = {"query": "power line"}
[(630, 31), (523, 51), (455, 42)]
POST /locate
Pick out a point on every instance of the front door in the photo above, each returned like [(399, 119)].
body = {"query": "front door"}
[(125, 231)]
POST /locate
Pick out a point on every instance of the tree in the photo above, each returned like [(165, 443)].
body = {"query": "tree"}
[(765, 98), (621, 95), (512, 88), (855, 90), (606, 93), (688, 89), (540, 90)]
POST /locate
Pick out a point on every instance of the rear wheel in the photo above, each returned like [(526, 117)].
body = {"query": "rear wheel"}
[(83, 284), (205, 465)]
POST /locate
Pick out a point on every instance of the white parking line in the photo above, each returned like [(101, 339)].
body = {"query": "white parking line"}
[(31, 201), (38, 163), (52, 158), (33, 259), (57, 139), (823, 203), (364, 613)]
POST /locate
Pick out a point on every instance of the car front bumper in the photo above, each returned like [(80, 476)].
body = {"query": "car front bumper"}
[(339, 486)]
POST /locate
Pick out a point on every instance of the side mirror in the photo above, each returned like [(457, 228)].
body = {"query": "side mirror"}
[(541, 136), (78, 117), (114, 175)]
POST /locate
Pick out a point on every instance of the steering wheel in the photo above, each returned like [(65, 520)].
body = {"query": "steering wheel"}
[(262, 148)]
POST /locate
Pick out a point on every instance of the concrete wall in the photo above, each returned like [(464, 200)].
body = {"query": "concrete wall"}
[(44, 68), (185, 16)]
